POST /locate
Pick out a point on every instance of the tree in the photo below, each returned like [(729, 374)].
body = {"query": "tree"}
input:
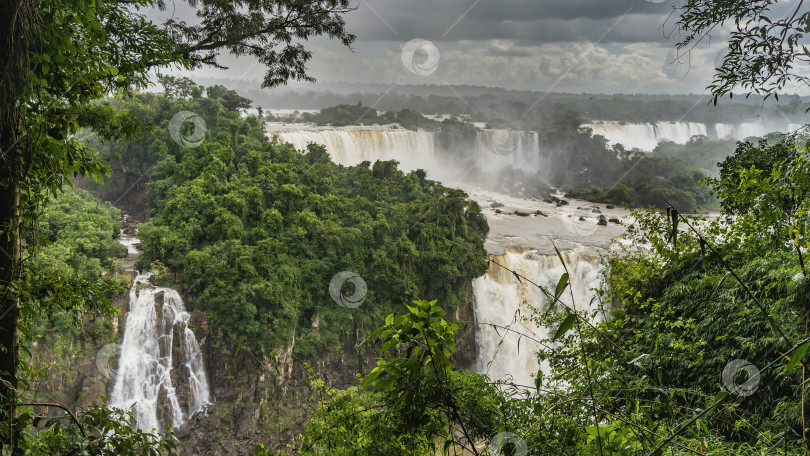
[(409, 404), (60, 57), (228, 98), (763, 47), (180, 87)]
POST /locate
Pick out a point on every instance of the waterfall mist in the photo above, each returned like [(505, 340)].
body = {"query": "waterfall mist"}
[(647, 136)]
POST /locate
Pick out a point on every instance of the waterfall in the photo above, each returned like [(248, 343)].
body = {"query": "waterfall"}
[(646, 136), (413, 149), (501, 148), (725, 131), (749, 129), (499, 298), (493, 149), (160, 371)]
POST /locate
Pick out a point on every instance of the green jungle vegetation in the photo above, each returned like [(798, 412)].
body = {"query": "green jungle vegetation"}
[(78, 246), (704, 350), (659, 376), (256, 230), (653, 366)]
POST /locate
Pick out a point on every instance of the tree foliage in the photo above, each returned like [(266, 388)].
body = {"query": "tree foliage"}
[(766, 47), (78, 235), (256, 230), (653, 378), (62, 56), (417, 402)]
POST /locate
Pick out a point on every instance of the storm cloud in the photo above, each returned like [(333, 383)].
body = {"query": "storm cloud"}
[(594, 46), (533, 22)]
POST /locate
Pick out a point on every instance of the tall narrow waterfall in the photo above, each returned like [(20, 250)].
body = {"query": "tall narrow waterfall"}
[(160, 371), (500, 299), (413, 149)]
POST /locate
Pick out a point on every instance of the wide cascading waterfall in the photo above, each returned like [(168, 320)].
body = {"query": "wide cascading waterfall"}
[(646, 136), (502, 148), (413, 149), (501, 300), (748, 129), (160, 373)]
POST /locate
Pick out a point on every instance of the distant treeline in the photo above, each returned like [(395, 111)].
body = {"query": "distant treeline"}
[(522, 108)]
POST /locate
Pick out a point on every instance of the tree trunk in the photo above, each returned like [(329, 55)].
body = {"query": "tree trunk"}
[(17, 31), (9, 272)]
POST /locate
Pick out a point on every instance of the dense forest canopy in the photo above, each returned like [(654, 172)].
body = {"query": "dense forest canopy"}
[(256, 229)]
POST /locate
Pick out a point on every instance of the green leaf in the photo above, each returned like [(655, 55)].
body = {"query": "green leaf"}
[(383, 384), (674, 227), (565, 325), (447, 444), (720, 397), (797, 356), (561, 284), (720, 283)]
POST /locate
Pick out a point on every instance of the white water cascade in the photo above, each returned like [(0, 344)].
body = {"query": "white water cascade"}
[(500, 299), (747, 130), (160, 372), (413, 149), (646, 136), (501, 148)]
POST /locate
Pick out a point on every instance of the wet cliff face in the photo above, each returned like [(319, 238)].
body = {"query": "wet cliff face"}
[(255, 399), (259, 401), (75, 371)]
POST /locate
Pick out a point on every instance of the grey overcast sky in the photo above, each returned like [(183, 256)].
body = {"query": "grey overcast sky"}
[(600, 46)]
